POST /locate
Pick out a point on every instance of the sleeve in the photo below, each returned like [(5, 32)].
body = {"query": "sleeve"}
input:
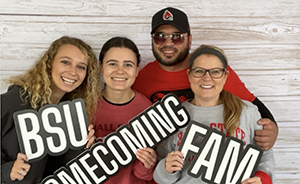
[(5, 170), (266, 164), (264, 111), (56, 162), (6, 163), (264, 177), (160, 175), (7, 126), (142, 172), (235, 86)]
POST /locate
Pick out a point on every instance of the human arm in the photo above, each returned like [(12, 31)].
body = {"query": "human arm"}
[(265, 169), (145, 164), (9, 142), (147, 156), (20, 168), (174, 162), (161, 175), (253, 180), (90, 137), (264, 138)]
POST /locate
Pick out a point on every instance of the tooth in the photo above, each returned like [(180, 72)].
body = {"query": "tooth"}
[(119, 79), (69, 80), (206, 86)]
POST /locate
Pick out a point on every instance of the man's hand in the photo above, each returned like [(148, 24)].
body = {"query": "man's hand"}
[(266, 137)]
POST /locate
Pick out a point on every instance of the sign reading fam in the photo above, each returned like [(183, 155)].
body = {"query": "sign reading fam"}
[(217, 159)]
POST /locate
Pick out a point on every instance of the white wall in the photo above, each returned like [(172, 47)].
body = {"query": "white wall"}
[(260, 37)]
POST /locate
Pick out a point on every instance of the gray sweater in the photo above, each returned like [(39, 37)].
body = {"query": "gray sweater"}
[(212, 117)]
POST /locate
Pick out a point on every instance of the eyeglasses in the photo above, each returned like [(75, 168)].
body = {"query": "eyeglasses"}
[(215, 73), (160, 38)]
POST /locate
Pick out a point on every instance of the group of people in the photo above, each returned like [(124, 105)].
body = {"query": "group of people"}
[(118, 90)]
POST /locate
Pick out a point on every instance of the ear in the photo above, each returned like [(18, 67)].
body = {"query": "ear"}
[(101, 68), (137, 70), (190, 42), (226, 74), (188, 74)]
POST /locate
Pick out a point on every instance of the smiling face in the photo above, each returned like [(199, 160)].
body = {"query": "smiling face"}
[(206, 89), (69, 69), (119, 69), (168, 53)]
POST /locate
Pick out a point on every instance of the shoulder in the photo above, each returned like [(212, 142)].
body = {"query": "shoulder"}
[(12, 99), (142, 98), (12, 90), (249, 105), (149, 67), (152, 64), (11, 102), (12, 95), (249, 109)]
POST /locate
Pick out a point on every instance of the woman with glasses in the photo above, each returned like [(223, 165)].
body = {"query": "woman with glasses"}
[(215, 108), (119, 65)]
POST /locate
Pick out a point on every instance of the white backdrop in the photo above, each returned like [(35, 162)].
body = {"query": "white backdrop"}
[(260, 37)]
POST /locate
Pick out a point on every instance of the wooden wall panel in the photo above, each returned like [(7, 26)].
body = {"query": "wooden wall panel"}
[(261, 39)]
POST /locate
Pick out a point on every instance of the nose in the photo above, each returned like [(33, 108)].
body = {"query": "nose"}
[(168, 40), (72, 70), (120, 69), (206, 76)]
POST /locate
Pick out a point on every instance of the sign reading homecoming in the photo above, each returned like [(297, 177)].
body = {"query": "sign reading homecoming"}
[(102, 160)]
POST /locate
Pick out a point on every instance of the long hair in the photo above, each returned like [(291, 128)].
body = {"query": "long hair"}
[(232, 104), (37, 80)]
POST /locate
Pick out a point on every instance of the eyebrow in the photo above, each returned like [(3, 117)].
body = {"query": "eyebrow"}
[(111, 60), (171, 33), (125, 61), (67, 57), (129, 61)]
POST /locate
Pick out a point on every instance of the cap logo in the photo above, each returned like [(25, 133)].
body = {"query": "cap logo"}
[(168, 15)]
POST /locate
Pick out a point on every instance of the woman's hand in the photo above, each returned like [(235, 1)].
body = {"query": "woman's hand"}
[(20, 168), (147, 156), (174, 161), (254, 180), (91, 138)]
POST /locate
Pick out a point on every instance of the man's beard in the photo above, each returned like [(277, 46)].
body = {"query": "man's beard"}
[(179, 59)]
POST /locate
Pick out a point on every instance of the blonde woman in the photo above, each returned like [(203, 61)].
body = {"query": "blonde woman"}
[(218, 109), (67, 70)]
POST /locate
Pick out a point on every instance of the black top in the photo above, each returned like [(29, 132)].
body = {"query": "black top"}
[(10, 103)]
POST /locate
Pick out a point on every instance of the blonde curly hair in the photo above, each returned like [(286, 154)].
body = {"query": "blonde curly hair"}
[(36, 81)]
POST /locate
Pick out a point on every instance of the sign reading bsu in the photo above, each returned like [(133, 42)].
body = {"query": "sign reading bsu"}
[(52, 130)]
